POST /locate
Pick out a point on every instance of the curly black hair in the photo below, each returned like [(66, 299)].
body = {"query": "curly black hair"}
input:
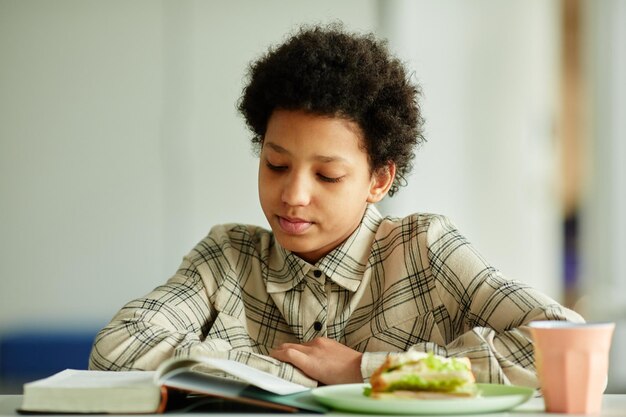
[(328, 71)]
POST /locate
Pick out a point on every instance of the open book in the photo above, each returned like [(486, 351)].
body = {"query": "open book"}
[(79, 391)]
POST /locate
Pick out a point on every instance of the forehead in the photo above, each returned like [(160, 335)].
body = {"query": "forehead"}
[(290, 131)]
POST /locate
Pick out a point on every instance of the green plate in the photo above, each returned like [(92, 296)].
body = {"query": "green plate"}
[(492, 398)]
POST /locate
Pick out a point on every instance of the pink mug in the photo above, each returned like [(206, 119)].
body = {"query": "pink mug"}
[(572, 361)]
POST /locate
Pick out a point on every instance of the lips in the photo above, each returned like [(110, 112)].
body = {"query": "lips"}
[(293, 226)]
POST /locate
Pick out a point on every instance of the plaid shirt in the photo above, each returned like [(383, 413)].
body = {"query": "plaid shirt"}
[(393, 285)]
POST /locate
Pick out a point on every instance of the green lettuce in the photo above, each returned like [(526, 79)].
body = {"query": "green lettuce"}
[(435, 363)]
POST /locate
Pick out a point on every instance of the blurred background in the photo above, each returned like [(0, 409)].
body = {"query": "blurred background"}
[(120, 146)]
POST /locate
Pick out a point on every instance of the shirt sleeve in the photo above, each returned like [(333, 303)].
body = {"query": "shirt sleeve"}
[(486, 315), (172, 321)]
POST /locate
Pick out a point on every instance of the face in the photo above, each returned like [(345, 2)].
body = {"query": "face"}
[(315, 181)]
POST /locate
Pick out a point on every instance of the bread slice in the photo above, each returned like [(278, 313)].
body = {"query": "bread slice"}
[(423, 375)]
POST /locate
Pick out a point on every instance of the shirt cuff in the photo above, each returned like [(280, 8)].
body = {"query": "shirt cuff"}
[(370, 362)]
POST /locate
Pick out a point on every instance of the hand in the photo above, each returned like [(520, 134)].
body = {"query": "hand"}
[(323, 359)]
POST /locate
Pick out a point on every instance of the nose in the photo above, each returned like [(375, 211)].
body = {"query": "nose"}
[(296, 190)]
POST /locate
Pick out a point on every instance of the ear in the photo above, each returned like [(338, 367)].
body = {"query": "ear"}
[(381, 182)]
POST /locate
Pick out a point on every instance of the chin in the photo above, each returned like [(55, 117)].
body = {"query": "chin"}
[(295, 244)]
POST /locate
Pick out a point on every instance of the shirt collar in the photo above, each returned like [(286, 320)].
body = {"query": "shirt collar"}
[(345, 265)]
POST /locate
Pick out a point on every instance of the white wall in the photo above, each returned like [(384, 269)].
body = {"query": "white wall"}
[(80, 161), (120, 144), (603, 238), (604, 231), (489, 72)]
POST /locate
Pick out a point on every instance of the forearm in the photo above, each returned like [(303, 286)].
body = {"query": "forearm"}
[(493, 360), (149, 330), (169, 321), (497, 356), (138, 345), (126, 346)]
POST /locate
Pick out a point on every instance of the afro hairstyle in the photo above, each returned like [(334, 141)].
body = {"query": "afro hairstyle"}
[(328, 71)]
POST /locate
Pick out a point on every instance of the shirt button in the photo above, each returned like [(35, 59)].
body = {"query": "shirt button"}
[(317, 273), (317, 326)]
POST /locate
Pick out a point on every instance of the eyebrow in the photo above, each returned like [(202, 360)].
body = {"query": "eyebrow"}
[(321, 158)]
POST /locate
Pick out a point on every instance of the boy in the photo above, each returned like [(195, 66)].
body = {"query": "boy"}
[(333, 288)]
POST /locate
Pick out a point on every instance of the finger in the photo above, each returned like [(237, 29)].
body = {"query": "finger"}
[(313, 343), (294, 346), (293, 356), (320, 341)]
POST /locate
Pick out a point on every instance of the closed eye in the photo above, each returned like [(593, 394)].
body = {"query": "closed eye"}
[(275, 167), (281, 168), (328, 179)]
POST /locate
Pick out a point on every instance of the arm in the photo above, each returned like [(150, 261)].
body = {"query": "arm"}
[(167, 322), (174, 320), (486, 315), (502, 355)]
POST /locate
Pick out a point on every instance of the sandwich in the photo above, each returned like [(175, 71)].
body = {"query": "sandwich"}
[(418, 375)]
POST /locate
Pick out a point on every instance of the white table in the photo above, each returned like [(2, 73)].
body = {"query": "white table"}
[(613, 405)]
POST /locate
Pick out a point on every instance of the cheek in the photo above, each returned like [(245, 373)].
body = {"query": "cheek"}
[(268, 187), (356, 192), (263, 185), (343, 201)]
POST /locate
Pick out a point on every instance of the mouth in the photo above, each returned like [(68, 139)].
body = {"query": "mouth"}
[(293, 226)]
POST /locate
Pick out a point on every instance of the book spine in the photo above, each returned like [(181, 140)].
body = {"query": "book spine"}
[(163, 403)]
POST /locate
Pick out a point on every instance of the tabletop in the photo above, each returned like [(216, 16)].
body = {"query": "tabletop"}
[(612, 405)]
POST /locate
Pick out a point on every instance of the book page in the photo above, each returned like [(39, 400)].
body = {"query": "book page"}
[(72, 378), (81, 391), (239, 370), (252, 375)]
